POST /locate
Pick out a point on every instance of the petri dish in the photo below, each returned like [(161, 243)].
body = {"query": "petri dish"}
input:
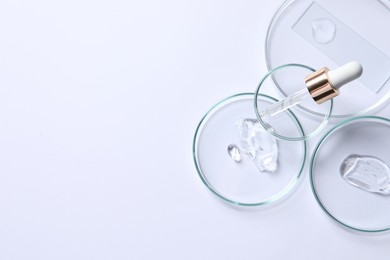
[(242, 183), (292, 78), (331, 33), (353, 207)]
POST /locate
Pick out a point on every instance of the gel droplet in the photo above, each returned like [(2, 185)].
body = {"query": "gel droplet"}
[(324, 30), (234, 152), (253, 140), (366, 172)]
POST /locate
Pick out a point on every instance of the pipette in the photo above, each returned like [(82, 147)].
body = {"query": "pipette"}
[(322, 85)]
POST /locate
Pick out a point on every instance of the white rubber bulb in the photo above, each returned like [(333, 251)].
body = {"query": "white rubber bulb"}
[(344, 74)]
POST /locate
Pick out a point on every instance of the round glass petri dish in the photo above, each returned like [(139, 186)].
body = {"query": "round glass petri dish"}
[(292, 78), (349, 176), (241, 182), (331, 33)]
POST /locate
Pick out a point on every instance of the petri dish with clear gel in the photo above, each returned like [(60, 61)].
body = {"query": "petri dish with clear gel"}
[(331, 33), (292, 78), (350, 174), (233, 172)]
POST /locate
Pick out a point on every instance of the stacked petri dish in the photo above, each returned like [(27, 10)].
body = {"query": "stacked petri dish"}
[(247, 158)]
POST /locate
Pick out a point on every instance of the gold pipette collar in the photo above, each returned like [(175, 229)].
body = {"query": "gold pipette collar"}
[(320, 87)]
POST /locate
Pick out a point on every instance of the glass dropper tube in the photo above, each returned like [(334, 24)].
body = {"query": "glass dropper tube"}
[(285, 104)]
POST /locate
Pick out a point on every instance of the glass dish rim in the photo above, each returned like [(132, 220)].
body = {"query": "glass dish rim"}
[(274, 21), (282, 137), (312, 164), (275, 198)]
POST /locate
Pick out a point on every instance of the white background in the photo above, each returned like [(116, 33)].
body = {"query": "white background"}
[(99, 101)]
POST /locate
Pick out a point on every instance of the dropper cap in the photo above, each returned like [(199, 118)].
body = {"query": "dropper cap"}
[(324, 84)]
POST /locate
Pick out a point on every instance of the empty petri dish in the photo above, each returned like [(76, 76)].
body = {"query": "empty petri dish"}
[(350, 174), (229, 167), (292, 78), (331, 33)]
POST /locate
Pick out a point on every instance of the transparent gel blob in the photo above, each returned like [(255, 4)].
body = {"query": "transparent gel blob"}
[(324, 30), (234, 152), (366, 172), (253, 140)]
